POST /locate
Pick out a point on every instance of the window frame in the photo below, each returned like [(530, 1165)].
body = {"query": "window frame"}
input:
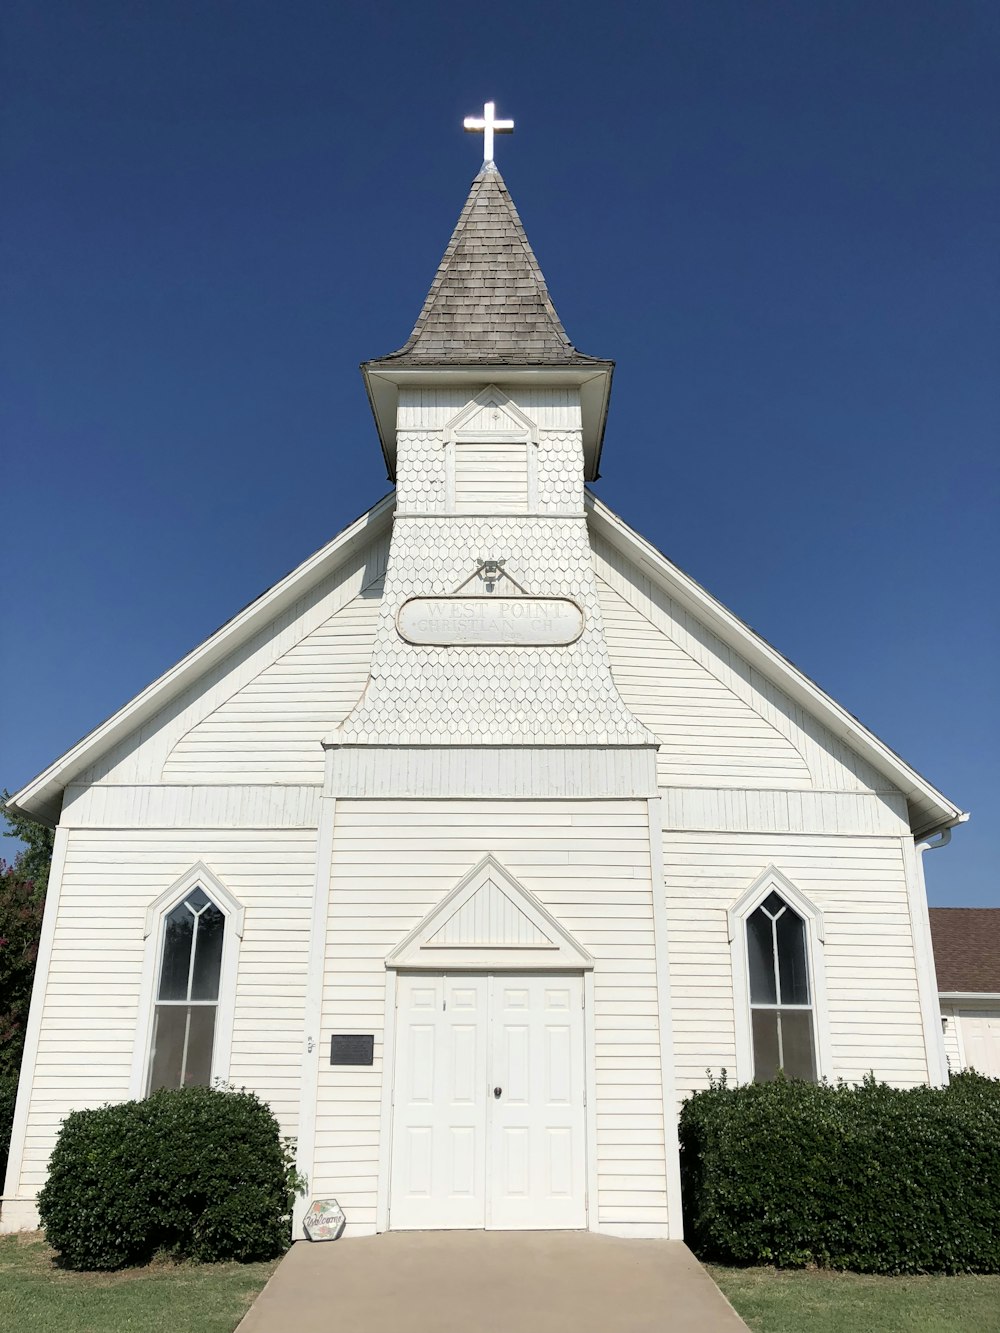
[(458, 431), (199, 876), (771, 880)]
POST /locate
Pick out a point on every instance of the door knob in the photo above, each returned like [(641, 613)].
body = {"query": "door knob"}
[(497, 1092)]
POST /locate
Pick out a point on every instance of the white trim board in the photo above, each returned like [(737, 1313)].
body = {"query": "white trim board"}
[(313, 1021)]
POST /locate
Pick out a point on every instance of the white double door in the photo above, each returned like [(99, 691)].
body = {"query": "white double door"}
[(488, 1102)]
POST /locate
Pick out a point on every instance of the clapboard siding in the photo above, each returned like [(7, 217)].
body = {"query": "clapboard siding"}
[(949, 1014), (491, 477), (589, 865), (92, 997), (873, 1010), (273, 727), (701, 726), (326, 669), (708, 735)]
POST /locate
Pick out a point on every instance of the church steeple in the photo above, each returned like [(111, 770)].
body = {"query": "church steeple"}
[(489, 319), (488, 302), (489, 628)]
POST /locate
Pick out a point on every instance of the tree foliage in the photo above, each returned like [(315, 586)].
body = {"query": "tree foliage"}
[(22, 897), (33, 860), (20, 926)]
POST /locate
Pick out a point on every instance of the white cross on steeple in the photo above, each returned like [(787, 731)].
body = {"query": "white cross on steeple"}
[(489, 125)]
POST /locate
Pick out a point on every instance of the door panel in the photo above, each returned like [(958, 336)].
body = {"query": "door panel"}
[(439, 1137), (536, 1171)]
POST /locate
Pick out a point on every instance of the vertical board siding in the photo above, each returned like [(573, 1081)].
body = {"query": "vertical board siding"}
[(488, 917), (873, 1008), (588, 863), (141, 757), (491, 477), (732, 810), (91, 1005), (830, 763), (216, 806), (434, 408)]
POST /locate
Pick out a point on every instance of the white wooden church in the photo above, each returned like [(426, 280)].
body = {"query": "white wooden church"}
[(476, 842)]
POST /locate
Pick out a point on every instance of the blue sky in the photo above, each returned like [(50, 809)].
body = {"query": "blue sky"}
[(781, 219)]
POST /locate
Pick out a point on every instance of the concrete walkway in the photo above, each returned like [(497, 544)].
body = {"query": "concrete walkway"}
[(491, 1282)]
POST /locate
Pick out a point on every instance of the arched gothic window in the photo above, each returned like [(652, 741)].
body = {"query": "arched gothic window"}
[(193, 932), (187, 996), (781, 1011), (779, 988)]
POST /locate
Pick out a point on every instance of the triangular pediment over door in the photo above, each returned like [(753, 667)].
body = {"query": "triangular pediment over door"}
[(490, 922)]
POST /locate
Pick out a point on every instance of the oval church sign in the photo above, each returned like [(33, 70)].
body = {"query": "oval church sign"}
[(490, 622)]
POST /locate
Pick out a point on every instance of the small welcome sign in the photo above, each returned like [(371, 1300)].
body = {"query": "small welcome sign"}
[(325, 1220)]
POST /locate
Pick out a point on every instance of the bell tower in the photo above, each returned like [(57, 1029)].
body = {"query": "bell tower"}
[(490, 631)]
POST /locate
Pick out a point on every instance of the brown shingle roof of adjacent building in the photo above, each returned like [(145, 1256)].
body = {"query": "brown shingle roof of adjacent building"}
[(967, 949), (488, 303)]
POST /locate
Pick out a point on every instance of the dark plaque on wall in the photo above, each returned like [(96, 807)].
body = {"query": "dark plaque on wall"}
[(352, 1049)]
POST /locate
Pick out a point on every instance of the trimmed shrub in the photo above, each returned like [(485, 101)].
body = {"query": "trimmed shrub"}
[(195, 1172), (869, 1178)]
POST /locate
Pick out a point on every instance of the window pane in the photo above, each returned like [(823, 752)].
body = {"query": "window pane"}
[(792, 972), (197, 899), (797, 1043), (773, 904), (765, 1043), (208, 955), (176, 954), (182, 1046), (761, 956)]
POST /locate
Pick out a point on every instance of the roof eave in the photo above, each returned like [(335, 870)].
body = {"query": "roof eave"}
[(384, 378), (41, 798), (918, 791)]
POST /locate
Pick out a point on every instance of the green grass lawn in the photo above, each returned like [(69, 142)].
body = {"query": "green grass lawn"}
[(38, 1297), (773, 1301)]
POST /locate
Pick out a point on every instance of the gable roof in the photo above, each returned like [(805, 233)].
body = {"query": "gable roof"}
[(41, 798), (488, 302), (966, 949), (929, 810)]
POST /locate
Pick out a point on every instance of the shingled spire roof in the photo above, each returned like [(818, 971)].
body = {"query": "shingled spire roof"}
[(488, 303)]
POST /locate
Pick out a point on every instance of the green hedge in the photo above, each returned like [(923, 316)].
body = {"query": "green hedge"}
[(869, 1178), (195, 1172)]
